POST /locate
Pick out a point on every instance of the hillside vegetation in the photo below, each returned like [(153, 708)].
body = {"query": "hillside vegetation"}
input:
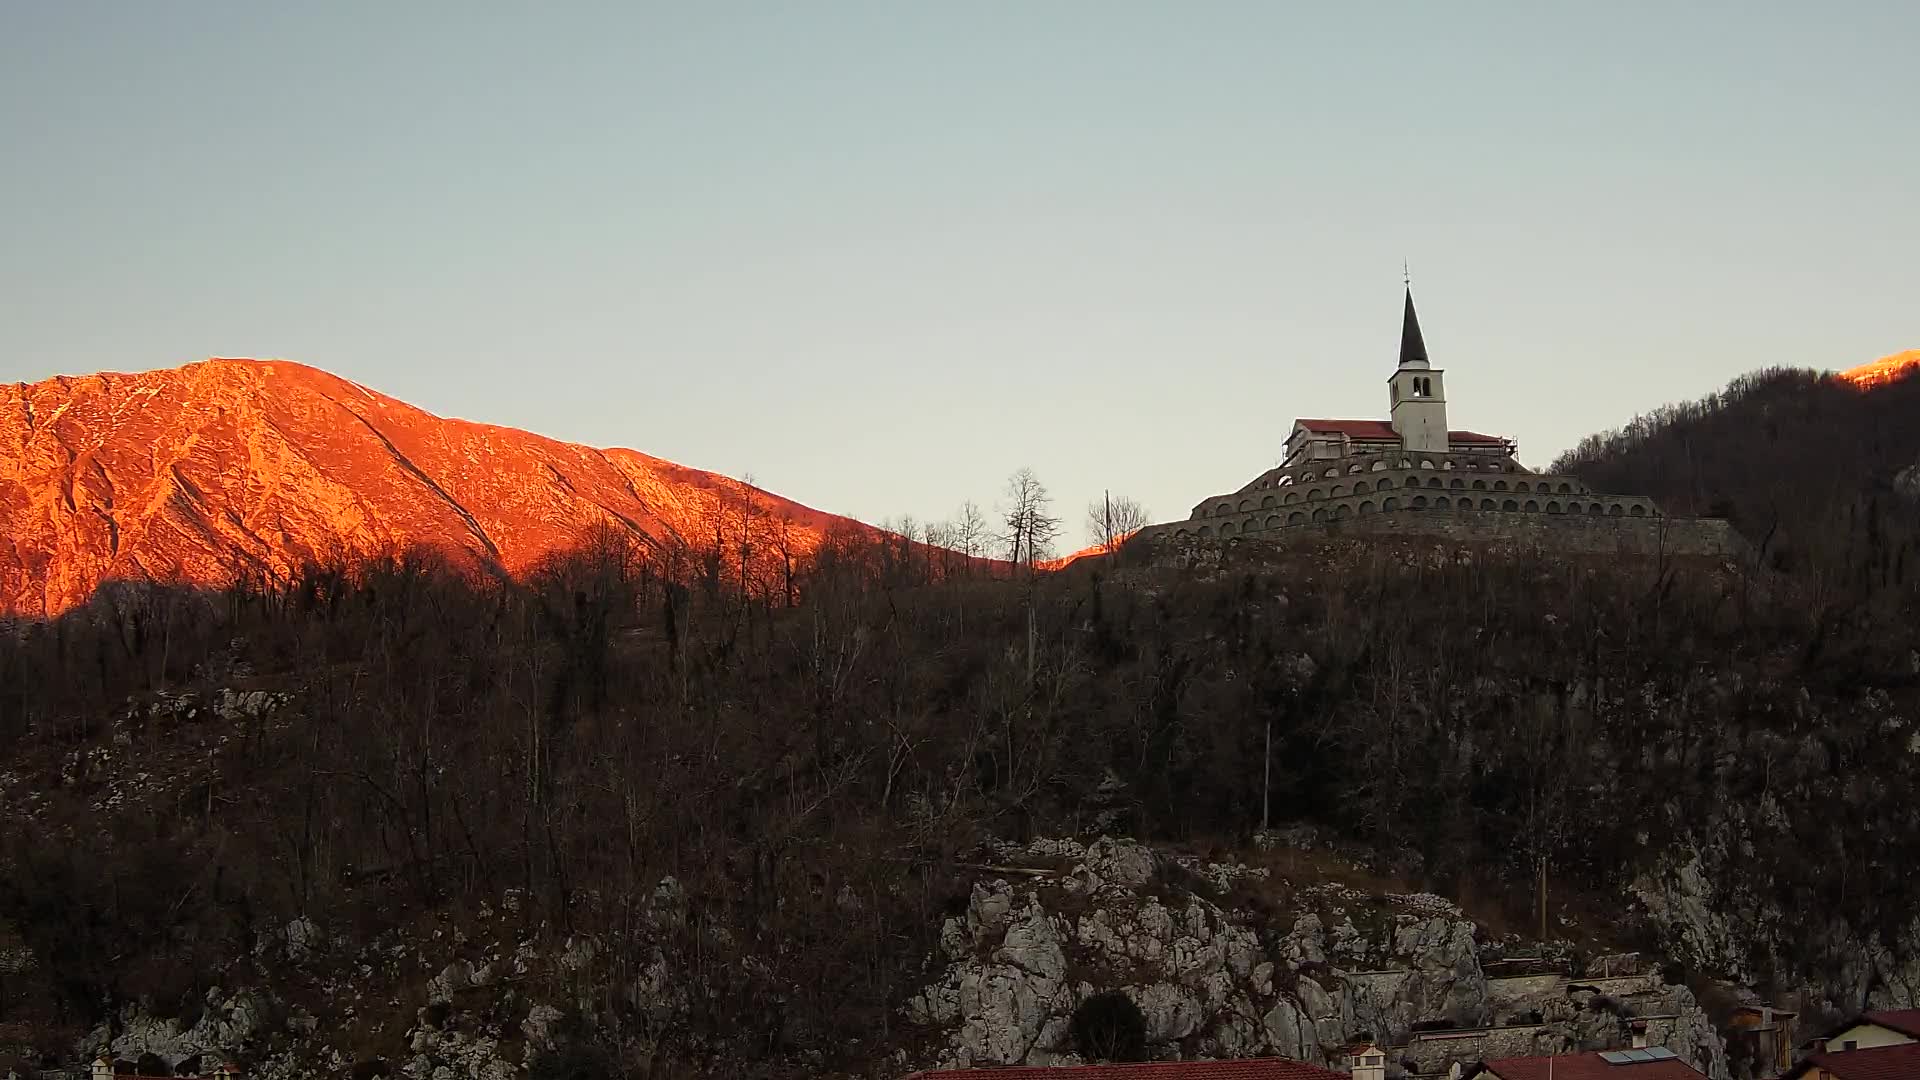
[(392, 749)]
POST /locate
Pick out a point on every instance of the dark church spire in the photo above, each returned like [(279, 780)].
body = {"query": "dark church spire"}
[(1413, 349)]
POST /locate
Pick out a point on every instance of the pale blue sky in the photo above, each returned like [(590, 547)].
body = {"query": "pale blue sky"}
[(879, 255)]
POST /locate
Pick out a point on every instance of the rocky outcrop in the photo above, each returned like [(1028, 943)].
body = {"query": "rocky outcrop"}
[(1212, 981)]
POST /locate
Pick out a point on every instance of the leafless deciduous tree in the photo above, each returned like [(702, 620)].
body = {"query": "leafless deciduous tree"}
[(1114, 518), (1030, 526)]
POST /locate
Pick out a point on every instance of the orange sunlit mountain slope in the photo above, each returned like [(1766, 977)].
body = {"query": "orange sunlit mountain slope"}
[(1884, 370), (198, 473)]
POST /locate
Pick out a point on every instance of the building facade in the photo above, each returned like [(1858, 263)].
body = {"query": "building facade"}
[(1428, 478)]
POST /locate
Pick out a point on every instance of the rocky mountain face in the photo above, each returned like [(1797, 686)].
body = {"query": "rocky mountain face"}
[(1214, 967), (1884, 370), (229, 468), (1329, 965)]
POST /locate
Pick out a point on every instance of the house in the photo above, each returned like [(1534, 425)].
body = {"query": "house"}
[(105, 1068), (1369, 1063), (1652, 1063), (1764, 1035), (1875, 1028), (1900, 1061)]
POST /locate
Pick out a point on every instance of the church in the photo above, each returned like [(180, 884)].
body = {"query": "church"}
[(1412, 474)]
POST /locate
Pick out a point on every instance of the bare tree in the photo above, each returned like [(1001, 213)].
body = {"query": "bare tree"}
[(1114, 518), (970, 533), (1030, 528)]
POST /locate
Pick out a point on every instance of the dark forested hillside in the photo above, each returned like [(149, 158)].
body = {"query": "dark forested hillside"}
[(366, 759), (1807, 466)]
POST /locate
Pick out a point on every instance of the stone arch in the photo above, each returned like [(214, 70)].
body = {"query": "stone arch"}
[(1226, 528), (1434, 482), (1290, 497), (1487, 504), (1479, 485), (1510, 504), (1447, 464), (1615, 510), (1338, 491), (1638, 510), (1181, 534), (1266, 502), (1384, 483), (1533, 506), (1320, 514), (1354, 468), (1406, 463), (1499, 485), (1330, 474), (1390, 503), (1426, 463), (1441, 503), (1379, 465), (1223, 508), (1284, 481), (1273, 521), (1520, 485), (1566, 489), (1553, 507), (1296, 518), (1367, 507), (1246, 505), (1316, 493), (1359, 487), (1419, 502), (1464, 503), (1595, 509), (1206, 530), (1457, 484)]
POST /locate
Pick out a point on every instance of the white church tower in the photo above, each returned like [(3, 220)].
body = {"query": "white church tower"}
[(1419, 394)]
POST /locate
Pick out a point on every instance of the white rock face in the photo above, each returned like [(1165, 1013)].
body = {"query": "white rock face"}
[(227, 1025), (1215, 983)]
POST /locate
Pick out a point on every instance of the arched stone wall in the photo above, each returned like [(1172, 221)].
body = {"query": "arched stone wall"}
[(1252, 513)]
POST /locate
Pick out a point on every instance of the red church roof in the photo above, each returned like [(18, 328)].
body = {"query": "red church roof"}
[(1382, 431), (1246, 1069), (1878, 1063), (1904, 1021), (1585, 1067)]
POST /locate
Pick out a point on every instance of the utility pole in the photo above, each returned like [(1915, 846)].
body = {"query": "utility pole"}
[(1266, 775), (1543, 899)]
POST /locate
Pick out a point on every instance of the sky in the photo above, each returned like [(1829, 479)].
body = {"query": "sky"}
[(877, 256)]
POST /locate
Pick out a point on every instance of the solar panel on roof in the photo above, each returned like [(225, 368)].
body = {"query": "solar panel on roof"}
[(1661, 1053), (1615, 1057)]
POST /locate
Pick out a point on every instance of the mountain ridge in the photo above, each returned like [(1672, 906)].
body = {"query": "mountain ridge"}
[(210, 470)]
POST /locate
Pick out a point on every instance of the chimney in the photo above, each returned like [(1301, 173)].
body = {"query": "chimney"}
[(1369, 1062), (102, 1069), (1639, 1029)]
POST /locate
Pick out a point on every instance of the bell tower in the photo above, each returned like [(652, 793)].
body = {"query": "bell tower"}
[(1418, 391)]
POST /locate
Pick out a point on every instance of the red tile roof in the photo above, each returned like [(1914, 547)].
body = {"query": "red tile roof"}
[(1353, 429), (1587, 1067), (1382, 431), (1879, 1063), (1245, 1069), (1904, 1021), (1474, 437)]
